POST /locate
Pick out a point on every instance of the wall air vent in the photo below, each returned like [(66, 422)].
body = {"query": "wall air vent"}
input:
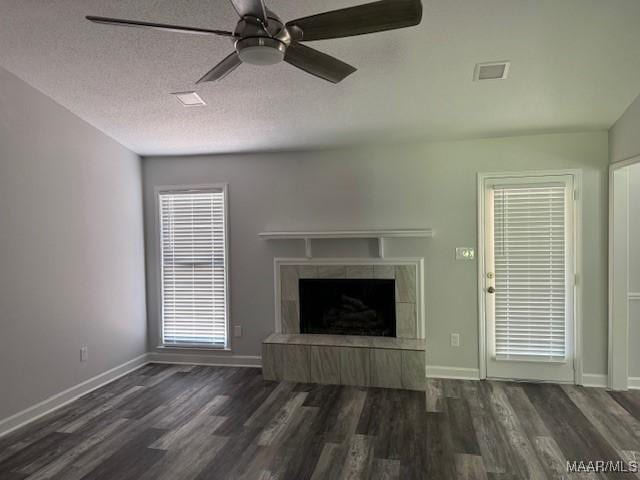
[(189, 99), (491, 71)]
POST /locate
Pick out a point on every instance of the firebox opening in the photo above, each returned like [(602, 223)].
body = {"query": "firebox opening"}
[(348, 306)]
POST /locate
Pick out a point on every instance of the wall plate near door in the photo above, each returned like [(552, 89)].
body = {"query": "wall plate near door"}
[(465, 253)]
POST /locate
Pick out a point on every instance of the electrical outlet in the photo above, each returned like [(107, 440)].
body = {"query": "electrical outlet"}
[(84, 354), (455, 339), (237, 331)]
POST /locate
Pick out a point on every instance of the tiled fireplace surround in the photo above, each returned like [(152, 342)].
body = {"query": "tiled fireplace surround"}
[(404, 275), (350, 360)]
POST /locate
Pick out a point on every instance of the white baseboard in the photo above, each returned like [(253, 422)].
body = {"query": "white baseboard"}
[(436, 371), (192, 358), (58, 400), (457, 373), (594, 380)]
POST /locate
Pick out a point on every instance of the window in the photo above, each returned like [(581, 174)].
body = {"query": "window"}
[(193, 249)]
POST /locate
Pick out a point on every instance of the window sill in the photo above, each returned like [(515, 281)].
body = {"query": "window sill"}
[(193, 348), (530, 360)]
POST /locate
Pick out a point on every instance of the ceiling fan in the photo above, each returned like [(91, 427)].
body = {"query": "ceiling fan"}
[(261, 38)]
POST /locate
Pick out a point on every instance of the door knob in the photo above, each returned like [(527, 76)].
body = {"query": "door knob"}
[(491, 290)]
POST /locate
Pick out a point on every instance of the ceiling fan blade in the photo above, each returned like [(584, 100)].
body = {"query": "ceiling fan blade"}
[(368, 18), (317, 63), (252, 8), (157, 26), (222, 69)]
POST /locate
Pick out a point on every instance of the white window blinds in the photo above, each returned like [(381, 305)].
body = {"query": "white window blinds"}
[(530, 271), (193, 262)]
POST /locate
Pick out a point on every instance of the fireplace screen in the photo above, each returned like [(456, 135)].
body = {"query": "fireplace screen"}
[(348, 306)]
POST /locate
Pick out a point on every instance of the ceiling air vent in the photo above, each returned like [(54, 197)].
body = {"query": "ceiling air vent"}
[(491, 71), (189, 99)]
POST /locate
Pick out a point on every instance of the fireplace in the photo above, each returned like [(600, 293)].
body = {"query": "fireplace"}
[(339, 306)]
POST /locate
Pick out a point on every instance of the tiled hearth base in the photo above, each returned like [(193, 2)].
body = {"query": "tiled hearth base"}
[(345, 360)]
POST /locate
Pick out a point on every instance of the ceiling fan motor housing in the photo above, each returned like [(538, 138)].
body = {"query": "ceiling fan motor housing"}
[(259, 43)]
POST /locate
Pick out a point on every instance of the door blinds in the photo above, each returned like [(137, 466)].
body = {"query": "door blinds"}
[(530, 271)]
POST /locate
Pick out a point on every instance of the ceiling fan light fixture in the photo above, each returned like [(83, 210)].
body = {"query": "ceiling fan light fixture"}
[(260, 50)]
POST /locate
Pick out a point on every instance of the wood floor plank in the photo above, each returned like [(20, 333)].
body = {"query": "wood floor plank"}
[(434, 395), (390, 421), (188, 402), (525, 461), (576, 436), (304, 457), (113, 402), (383, 469), (359, 457), (451, 388), (186, 460), (271, 405), (38, 454), (614, 433), (492, 441), (629, 401), (63, 461), (348, 411), (369, 422), (331, 462), (282, 420), (205, 423), (439, 453), (131, 461), (239, 448), (412, 438), (469, 467), (94, 457), (551, 457), (463, 433)]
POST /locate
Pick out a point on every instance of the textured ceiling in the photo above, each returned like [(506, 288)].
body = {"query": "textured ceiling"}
[(575, 65)]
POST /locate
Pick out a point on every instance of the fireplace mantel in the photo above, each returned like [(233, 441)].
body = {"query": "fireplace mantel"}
[(379, 235)]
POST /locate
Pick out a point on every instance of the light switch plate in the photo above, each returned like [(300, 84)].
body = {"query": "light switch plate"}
[(465, 253), (237, 331)]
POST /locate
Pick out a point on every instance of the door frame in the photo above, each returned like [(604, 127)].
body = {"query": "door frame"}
[(618, 327), (577, 310)]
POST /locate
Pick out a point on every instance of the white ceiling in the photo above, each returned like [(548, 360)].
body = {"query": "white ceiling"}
[(575, 66)]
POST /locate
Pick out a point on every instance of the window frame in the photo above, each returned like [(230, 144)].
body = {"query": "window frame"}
[(208, 187)]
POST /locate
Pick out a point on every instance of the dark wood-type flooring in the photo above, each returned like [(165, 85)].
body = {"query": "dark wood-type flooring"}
[(184, 422)]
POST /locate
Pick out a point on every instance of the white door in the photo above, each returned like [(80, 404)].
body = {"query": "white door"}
[(529, 277)]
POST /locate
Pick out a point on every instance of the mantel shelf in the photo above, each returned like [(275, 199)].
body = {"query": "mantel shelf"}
[(407, 232), (380, 235)]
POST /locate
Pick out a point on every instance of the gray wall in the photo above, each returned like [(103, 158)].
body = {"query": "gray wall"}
[(624, 143), (634, 269), (425, 185), (624, 136), (71, 249)]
